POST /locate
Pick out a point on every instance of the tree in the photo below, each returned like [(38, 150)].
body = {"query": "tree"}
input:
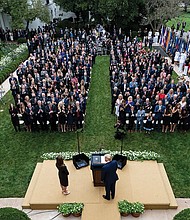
[(36, 10), (22, 10), (185, 4), (158, 12), (119, 12), (79, 7)]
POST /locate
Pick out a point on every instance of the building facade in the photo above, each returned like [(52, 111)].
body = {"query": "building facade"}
[(54, 10)]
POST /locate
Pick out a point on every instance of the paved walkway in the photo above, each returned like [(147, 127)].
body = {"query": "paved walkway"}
[(54, 215)]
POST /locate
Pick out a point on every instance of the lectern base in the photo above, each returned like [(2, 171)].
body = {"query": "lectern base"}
[(97, 178), (98, 184)]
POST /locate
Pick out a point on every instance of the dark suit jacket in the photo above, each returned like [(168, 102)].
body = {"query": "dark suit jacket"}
[(109, 174)]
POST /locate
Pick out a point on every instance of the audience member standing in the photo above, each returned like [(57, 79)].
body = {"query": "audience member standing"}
[(14, 117), (140, 118), (159, 111), (148, 125), (167, 119), (175, 116), (183, 57)]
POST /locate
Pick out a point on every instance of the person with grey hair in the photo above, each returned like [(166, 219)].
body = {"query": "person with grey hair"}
[(109, 176)]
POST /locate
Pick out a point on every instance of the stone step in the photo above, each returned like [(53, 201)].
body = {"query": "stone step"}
[(26, 202)]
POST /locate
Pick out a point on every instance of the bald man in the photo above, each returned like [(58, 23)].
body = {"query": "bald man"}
[(109, 176)]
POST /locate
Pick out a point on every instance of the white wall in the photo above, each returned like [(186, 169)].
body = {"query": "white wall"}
[(55, 12), (5, 20)]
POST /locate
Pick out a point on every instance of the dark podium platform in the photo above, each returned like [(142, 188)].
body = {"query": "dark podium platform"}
[(97, 162)]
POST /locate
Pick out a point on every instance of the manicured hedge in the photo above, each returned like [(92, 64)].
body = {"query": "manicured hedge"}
[(12, 214), (183, 215), (21, 40), (4, 73)]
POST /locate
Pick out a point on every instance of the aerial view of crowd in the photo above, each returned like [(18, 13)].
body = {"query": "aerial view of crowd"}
[(144, 95), (51, 87)]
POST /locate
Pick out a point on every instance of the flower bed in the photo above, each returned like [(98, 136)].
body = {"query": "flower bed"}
[(5, 48), (131, 155), (10, 62)]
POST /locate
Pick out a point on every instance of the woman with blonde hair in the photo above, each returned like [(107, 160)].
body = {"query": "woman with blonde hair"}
[(118, 103), (61, 117), (183, 102)]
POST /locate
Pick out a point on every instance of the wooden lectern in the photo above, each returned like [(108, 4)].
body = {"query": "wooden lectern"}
[(97, 162)]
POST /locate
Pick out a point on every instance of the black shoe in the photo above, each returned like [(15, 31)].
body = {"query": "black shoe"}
[(112, 197), (105, 197)]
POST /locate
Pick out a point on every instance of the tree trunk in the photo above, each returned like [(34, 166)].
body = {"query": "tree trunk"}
[(152, 26), (185, 7), (27, 25)]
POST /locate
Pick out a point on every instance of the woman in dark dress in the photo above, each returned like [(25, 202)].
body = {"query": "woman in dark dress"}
[(175, 116), (70, 118), (63, 174), (14, 117), (122, 114), (167, 119), (132, 116), (183, 119), (61, 117)]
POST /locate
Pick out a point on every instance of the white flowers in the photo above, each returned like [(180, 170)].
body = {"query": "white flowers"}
[(131, 155), (52, 155), (5, 60)]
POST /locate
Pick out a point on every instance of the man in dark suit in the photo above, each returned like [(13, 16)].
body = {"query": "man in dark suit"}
[(109, 176)]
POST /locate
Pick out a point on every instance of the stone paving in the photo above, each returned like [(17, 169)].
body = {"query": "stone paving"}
[(54, 215)]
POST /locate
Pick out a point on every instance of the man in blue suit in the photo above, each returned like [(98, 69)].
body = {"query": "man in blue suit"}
[(109, 176), (159, 111)]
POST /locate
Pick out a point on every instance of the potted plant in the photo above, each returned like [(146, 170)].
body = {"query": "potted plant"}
[(77, 208), (124, 207), (65, 209), (137, 208)]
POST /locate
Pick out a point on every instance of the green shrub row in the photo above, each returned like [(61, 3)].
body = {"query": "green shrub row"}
[(12, 214), (4, 73), (183, 215), (21, 40)]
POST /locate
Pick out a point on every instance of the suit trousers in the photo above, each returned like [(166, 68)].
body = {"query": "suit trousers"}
[(110, 188)]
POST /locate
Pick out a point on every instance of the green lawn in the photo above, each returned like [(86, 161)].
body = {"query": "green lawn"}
[(184, 16), (21, 151)]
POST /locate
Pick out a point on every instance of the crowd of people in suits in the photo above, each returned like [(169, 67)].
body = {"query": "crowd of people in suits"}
[(8, 34), (144, 95), (53, 84), (51, 88)]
